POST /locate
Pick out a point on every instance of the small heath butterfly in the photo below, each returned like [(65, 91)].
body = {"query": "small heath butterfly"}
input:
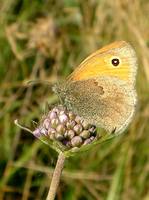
[(102, 88)]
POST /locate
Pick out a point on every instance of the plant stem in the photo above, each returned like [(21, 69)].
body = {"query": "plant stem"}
[(56, 177)]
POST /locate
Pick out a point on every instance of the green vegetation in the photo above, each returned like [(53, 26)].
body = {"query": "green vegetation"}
[(45, 40)]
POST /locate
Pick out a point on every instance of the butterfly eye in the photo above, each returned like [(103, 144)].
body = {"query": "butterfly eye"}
[(115, 62)]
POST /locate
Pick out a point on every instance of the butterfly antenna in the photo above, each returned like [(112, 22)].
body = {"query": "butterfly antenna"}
[(35, 82), (35, 124)]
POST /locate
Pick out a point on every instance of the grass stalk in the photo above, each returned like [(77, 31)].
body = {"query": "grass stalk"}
[(56, 177)]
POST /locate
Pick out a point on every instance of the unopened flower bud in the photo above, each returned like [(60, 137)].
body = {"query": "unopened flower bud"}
[(70, 134), (63, 118), (87, 141), (46, 124), (71, 115), (78, 128), (78, 119), (85, 134), (36, 132), (43, 131), (51, 131), (70, 124), (59, 137), (52, 115), (76, 141), (86, 125), (60, 129), (54, 123)]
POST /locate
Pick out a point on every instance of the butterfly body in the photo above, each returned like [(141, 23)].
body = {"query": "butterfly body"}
[(102, 88)]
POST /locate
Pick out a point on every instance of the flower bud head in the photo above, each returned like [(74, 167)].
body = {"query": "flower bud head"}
[(65, 129)]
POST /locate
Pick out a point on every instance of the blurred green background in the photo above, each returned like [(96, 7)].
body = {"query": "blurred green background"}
[(45, 40)]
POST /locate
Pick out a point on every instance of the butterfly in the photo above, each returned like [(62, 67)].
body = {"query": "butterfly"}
[(102, 88)]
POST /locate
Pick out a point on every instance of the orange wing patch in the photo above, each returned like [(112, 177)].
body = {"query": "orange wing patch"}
[(99, 63)]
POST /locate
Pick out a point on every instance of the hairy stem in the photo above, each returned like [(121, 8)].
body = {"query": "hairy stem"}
[(56, 177)]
